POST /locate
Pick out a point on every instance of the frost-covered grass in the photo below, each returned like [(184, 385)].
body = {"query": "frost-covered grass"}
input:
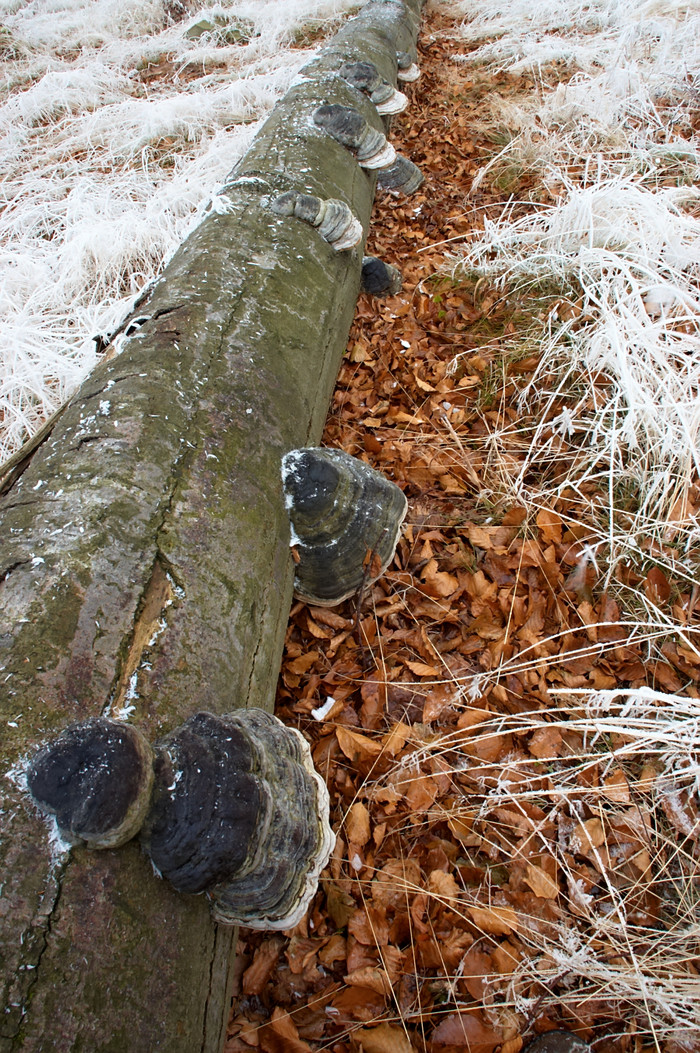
[(118, 119), (595, 807), (618, 382), (631, 255), (620, 83), (601, 253)]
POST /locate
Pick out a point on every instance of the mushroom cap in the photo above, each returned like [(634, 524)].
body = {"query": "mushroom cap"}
[(302, 206), (362, 75), (346, 521), (396, 102), (273, 890), (238, 813), (96, 778), (408, 70), (207, 803), (348, 127), (334, 220), (380, 278), (402, 175)]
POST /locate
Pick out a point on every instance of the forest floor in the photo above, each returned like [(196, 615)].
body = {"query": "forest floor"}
[(501, 869)]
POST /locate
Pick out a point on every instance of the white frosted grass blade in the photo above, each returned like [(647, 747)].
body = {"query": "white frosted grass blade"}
[(115, 131)]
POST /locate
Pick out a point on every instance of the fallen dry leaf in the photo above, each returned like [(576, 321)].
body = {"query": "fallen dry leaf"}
[(385, 1038), (357, 826), (497, 920), (357, 747)]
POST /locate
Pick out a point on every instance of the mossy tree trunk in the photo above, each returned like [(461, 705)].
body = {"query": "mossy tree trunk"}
[(145, 567)]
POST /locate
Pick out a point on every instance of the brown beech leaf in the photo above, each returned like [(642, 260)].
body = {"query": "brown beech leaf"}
[(541, 883), (304, 662), (370, 976), (616, 787), (369, 926), (334, 951), (357, 747), (340, 905), (386, 1038), (281, 1036), (656, 586), (497, 920), (396, 738), (357, 828), (443, 886), (359, 1003), (260, 969), (439, 582), (550, 525), (467, 1030), (587, 837), (436, 701), (421, 669), (546, 742), (397, 883)]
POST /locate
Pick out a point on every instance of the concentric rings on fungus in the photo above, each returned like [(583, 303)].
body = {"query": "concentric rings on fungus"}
[(345, 522), (349, 128), (226, 805)]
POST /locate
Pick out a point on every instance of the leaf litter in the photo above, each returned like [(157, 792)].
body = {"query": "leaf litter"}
[(508, 720)]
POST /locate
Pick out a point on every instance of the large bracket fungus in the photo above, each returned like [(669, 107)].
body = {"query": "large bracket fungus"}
[(402, 175), (349, 128), (345, 522), (228, 805), (334, 220), (366, 78)]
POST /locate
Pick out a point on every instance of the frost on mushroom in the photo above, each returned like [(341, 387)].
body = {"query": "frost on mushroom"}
[(335, 221), (349, 128), (226, 805), (346, 522)]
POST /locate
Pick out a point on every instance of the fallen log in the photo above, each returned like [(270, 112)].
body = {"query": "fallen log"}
[(145, 568)]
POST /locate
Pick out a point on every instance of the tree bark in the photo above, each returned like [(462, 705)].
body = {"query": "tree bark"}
[(145, 567)]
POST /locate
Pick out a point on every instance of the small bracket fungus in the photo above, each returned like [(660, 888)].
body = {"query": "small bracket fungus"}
[(345, 519), (366, 78), (228, 805), (96, 779), (351, 130), (334, 220), (402, 175), (408, 71), (380, 278)]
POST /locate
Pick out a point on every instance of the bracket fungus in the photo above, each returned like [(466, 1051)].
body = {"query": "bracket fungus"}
[(96, 779), (380, 278), (401, 175), (366, 78), (345, 522), (227, 805), (333, 219), (408, 70), (349, 128)]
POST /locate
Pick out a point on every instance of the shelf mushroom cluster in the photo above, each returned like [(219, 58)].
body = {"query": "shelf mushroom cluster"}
[(230, 806), (370, 147)]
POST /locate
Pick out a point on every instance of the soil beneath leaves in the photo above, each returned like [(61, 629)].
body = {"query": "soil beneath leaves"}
[(434, 902)]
